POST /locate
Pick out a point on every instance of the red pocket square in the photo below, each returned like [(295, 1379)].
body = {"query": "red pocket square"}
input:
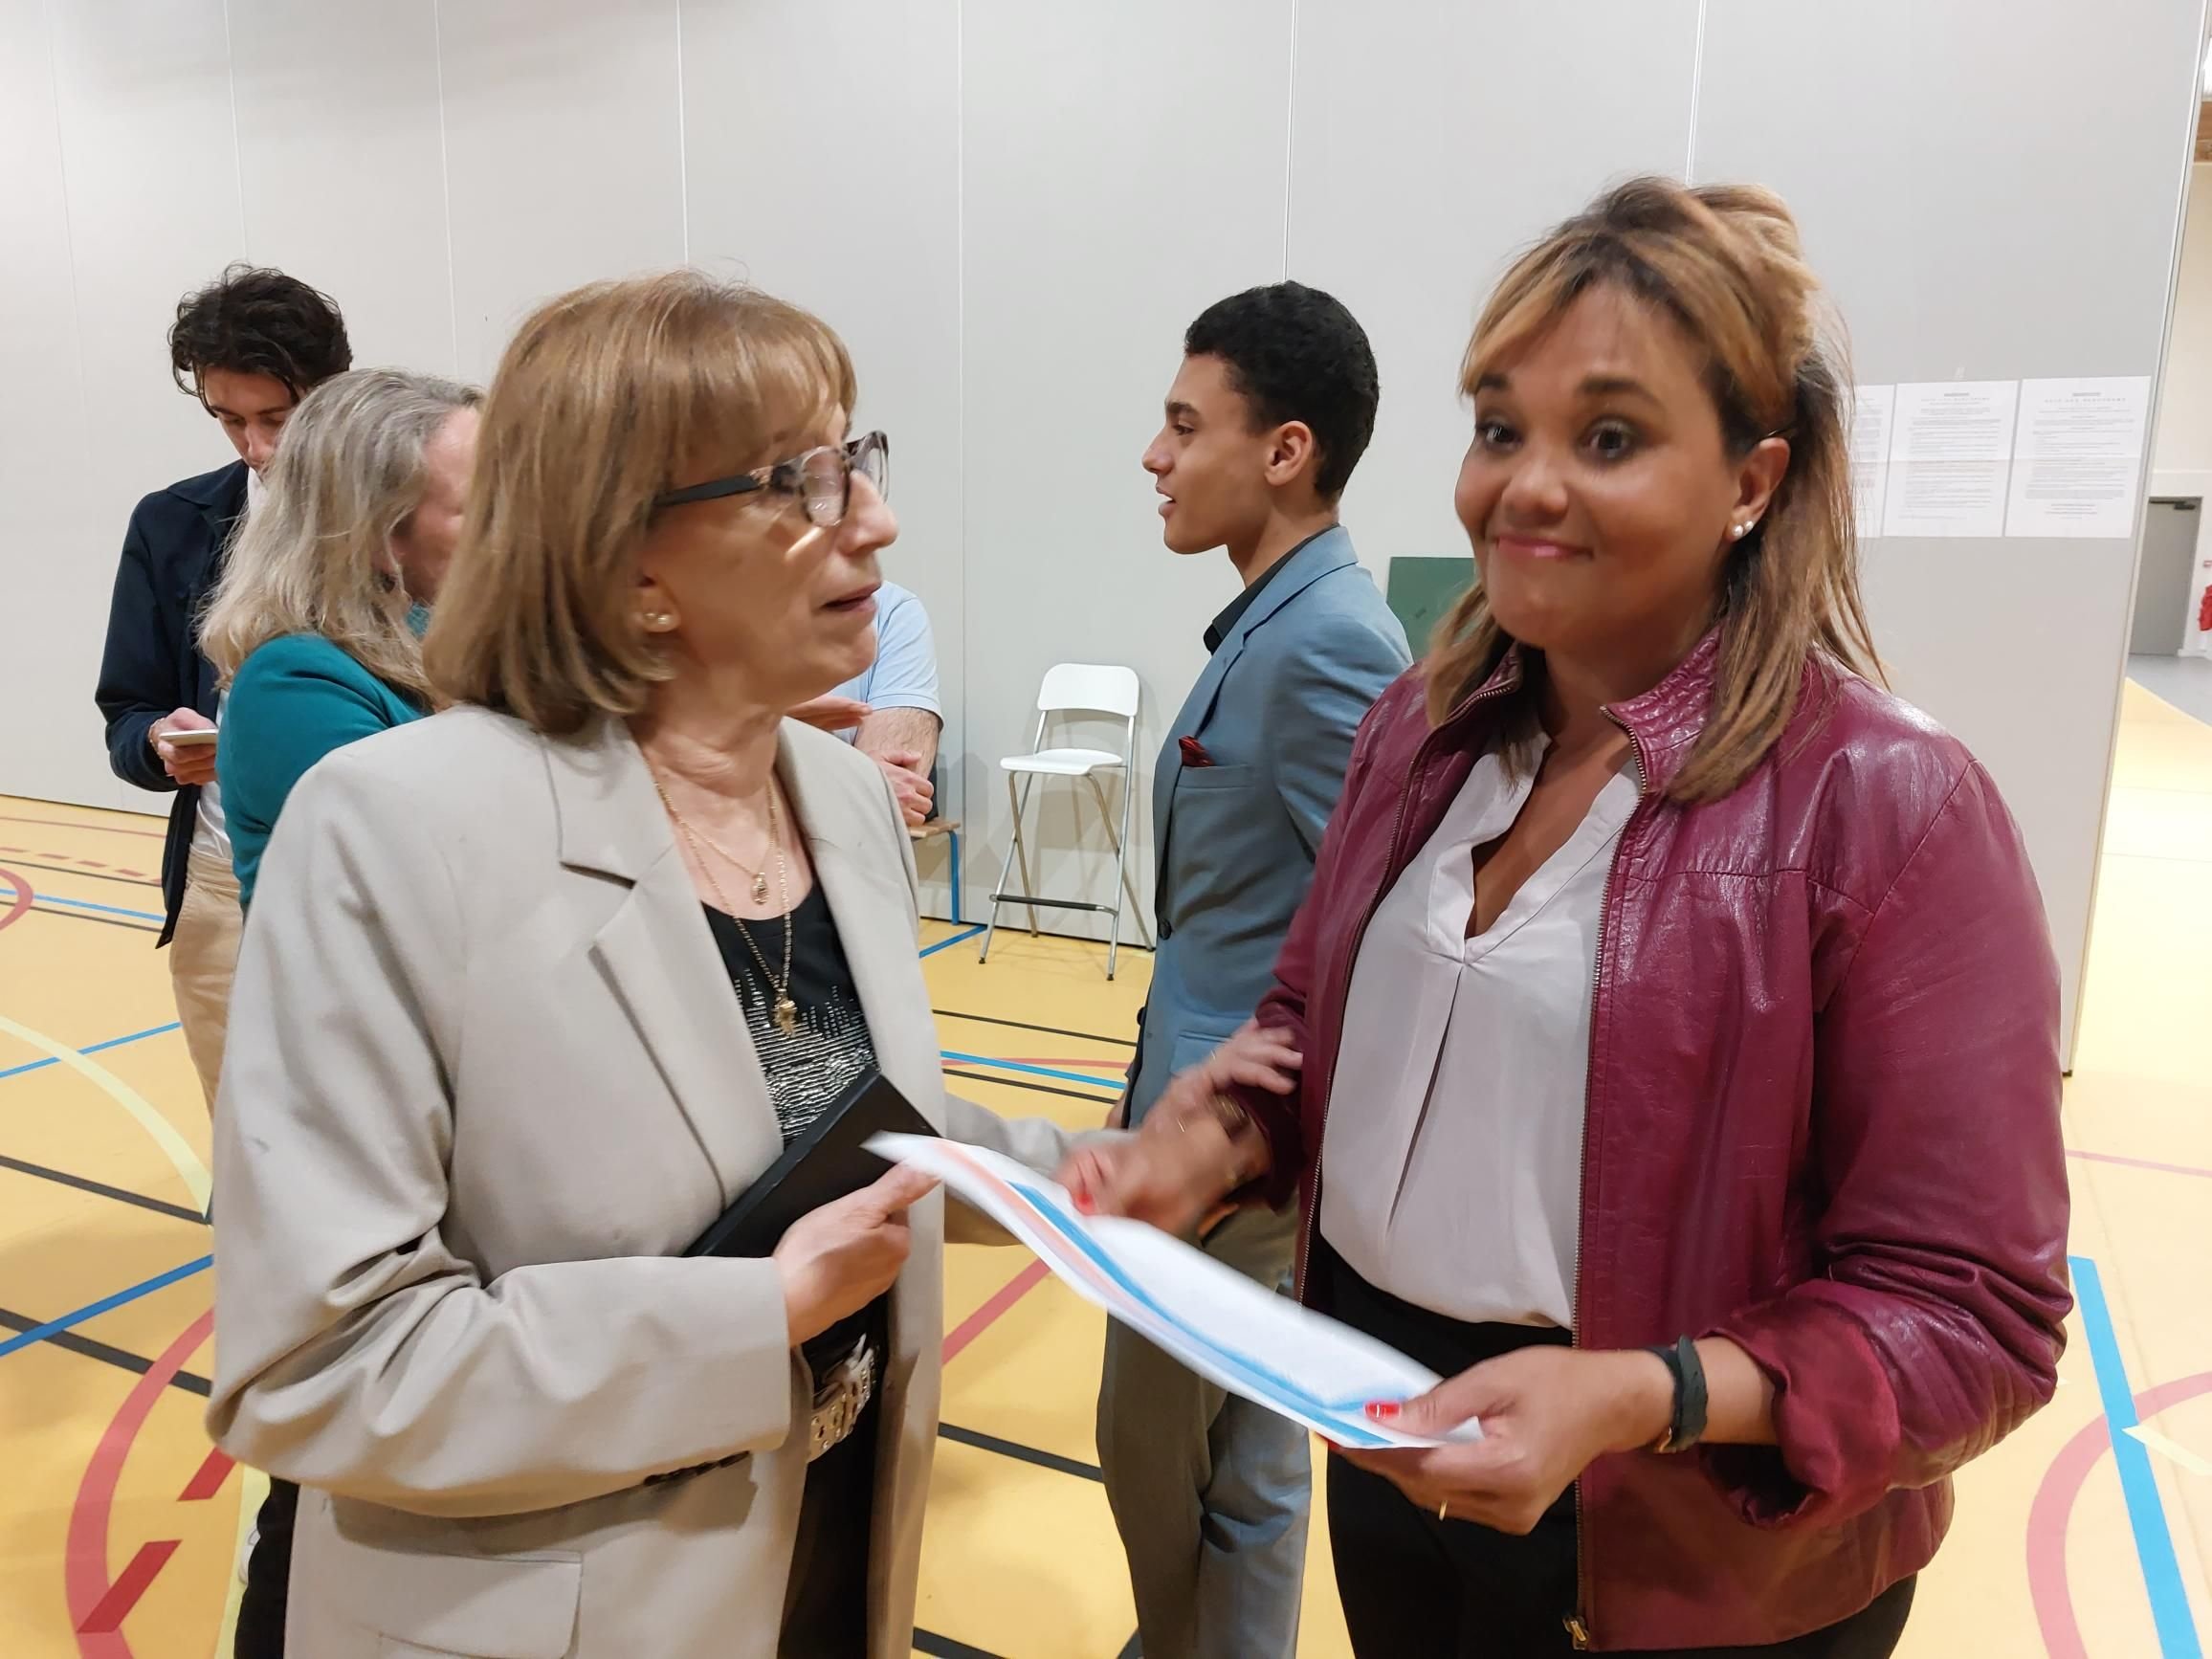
[(1193, 752)]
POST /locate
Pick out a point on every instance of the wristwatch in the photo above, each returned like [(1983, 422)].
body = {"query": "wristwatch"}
[(1686, 1428)]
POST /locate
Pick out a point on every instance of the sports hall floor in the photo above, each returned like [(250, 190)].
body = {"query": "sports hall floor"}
[(119, 1526)]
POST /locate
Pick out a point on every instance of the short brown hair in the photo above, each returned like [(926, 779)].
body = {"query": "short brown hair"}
[(606, 397), (255, 320), (1724, 262)]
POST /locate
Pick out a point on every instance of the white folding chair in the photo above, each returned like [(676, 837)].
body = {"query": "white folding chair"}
[(1075, 688)]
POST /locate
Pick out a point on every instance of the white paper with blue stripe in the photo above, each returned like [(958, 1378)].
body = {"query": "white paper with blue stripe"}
[(1256, 1344)]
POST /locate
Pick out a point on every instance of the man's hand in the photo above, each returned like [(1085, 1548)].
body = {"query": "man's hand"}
[(190, 764), (910, 784), (831, 713)]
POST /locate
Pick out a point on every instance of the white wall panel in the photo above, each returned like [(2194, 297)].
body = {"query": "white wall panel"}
[(841, 192), (56, 555), (1939, 167), (1429, 144), (1123, 168), (564, 153), (341, 159), (144, 101)]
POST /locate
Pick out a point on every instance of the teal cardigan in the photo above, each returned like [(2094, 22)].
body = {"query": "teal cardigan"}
[(292, 701)]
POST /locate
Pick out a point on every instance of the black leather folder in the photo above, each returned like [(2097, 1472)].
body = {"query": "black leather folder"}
[(824, 1164)]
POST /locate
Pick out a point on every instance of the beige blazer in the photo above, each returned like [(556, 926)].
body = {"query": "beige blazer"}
[(486, 1078)]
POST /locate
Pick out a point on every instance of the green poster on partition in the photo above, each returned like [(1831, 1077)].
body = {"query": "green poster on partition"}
[(1423, 590)]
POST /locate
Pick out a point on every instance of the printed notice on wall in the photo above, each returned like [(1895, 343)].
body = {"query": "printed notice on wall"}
[(1950, 457), (2078, 456), (1871, 410)]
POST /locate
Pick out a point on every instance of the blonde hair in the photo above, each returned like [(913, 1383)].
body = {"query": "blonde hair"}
[(606, 397), (316, 555), (1724, 262)]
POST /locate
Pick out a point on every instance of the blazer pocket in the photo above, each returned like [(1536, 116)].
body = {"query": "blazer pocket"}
[(1209, 778), (475, 1606), (1194, 1048)]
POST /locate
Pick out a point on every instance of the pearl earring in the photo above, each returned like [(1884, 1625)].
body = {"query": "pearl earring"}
[(658, 620), (1738, 531)]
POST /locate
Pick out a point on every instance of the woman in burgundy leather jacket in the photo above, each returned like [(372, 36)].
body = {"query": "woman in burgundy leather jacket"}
[(1674, 1023)]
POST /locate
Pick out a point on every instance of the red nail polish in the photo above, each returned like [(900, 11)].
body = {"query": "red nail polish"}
[(1084, 1206), (1382, 1411)]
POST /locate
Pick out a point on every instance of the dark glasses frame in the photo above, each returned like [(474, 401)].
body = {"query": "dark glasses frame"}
[(790, 478)]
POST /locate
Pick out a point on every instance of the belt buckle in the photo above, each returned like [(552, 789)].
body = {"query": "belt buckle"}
[(840, 1399)]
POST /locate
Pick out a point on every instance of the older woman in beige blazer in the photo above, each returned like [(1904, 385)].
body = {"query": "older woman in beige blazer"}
[(495, 1058)]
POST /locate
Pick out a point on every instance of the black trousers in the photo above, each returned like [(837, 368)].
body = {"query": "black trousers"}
[(826, 1598), (1417, 1588), (268, 1577)]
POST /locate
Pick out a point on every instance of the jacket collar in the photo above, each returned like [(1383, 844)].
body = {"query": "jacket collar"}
[(1316, 556), (219, 495), (1663, 722)]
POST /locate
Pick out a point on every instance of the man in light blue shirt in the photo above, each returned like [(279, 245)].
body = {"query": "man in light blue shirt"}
[(891, 710)]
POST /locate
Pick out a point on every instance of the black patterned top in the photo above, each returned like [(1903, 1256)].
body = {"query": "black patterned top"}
[(827, 1050)]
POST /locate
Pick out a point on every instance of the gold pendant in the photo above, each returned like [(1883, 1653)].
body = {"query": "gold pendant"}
[(786, 1015), (760, 889)]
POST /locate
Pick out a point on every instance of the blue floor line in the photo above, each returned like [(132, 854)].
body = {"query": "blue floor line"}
[(956, 939), (93, 1310), (2138, 1486), (87, 904), (1095, 1082), (97, 1048)]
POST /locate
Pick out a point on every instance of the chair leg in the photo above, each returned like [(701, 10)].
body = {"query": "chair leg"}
[(1121, 840), (1021, 849), (1128, 880), (952, 837), (1005, 869)]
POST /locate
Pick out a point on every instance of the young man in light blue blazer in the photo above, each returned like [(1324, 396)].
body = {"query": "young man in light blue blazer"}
[(1272, 409)]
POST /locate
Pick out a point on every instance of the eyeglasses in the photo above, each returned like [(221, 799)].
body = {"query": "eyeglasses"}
[(821, 478)]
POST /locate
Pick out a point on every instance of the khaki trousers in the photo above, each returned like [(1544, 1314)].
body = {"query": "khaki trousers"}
[(203, 955)]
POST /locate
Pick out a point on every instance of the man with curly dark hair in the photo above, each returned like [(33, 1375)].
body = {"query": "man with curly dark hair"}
[(1270, 413), (249, 346)]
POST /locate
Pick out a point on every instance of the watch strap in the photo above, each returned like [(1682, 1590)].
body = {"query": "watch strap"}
[(1686, 1428)]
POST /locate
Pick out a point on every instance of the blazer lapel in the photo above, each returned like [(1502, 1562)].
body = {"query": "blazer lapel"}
[(874, 917), (1329, 551), (658, 954)]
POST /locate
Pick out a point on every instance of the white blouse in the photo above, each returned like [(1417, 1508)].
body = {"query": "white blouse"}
[(1451, 1169)]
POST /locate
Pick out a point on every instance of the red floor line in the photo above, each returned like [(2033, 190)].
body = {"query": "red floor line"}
[(20, 906), (84, 1576), (129, 1586), (985, 1316), (214, 1470), (2053, 1507)]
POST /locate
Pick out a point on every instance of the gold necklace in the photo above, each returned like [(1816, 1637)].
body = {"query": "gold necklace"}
[(786, 1012), (696, 834)]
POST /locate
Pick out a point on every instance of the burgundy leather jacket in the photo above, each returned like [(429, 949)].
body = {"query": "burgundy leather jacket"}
[(1822, 1121)]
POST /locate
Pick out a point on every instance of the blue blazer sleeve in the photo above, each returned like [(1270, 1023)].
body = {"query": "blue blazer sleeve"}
[(1321, 695), (138, 668)]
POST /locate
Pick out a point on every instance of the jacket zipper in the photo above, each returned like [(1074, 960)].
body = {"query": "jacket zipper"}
[(1578, 1621)]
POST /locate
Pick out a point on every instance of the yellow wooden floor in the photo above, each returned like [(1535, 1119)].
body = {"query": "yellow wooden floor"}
[(118, 1531)]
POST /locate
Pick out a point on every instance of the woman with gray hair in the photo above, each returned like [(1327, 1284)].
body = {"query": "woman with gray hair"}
[(314, 631), (316, 628)]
